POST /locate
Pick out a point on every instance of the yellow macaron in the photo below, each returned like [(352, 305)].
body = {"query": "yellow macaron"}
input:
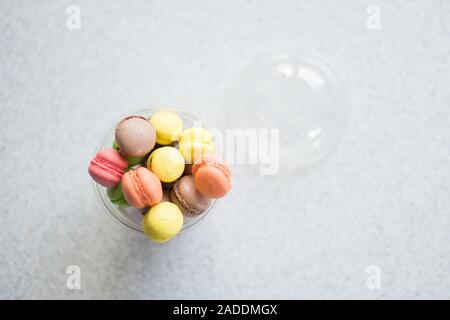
[(199, 134), (163, 221), (167, 163), (168, 126), (196, 142)]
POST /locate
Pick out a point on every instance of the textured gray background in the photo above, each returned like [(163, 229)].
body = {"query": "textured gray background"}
[(382, 198)]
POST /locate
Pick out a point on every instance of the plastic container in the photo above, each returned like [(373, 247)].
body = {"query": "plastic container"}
[(131, 218)]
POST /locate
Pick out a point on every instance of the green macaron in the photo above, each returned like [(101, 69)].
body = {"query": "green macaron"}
[(132, 161), (115, 194)]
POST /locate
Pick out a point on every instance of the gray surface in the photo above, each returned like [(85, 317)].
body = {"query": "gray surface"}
[(381, 199)]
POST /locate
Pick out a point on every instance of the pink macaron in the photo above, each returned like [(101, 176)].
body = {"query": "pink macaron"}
[(108, 167), (141, 188)]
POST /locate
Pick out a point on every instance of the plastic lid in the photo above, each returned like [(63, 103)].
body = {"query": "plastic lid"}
[(296, 93)]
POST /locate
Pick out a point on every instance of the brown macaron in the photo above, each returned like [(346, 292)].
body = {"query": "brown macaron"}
[(184, 194), (135, 136)]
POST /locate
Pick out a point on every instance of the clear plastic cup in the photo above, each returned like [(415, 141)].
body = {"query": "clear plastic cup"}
[(131, 218)]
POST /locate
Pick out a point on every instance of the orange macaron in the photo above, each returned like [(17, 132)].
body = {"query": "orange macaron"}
[(141, 188), (212, 176)]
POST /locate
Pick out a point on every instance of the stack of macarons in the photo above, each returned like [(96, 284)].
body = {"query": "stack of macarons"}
[(166, 170)]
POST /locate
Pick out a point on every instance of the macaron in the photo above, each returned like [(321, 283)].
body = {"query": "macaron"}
[(195, 143), (212, 176), (163, 221), (141, 188), (135, 136), (185, 195), (115, 194), (132, 161), (168, 126), (108, 167), (197, 133), (167, 163)]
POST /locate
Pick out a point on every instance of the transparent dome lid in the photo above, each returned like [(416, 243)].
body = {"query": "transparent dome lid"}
[(295, 93)]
